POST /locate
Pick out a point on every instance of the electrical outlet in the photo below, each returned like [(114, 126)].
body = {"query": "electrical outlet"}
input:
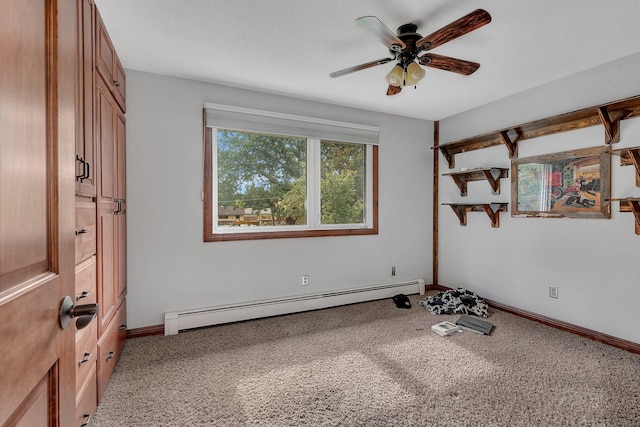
[(553, 292), (393, 271), (305, 280)]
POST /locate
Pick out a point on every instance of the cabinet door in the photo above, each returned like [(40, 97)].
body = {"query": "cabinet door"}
[(106, 204), (121, 217), (104, 52), (119, 83), (121, 255), (121, 160), (85, 153), (37, 134), (108, 64)]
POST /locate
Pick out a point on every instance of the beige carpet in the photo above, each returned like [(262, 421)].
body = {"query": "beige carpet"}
[(371, 364)]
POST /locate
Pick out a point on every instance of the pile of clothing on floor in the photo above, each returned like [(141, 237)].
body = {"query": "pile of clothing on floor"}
[(456, 301)]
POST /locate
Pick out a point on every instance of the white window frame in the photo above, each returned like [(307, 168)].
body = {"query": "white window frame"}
[(313, 199)]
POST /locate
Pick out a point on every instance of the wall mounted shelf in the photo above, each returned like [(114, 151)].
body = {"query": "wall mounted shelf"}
[(608, 115), (491, 209), (630, 204), (629, 156), (491, 175)]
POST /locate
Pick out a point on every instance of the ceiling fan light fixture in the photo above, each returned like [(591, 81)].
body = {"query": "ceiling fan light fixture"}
[(395, 76), (415, 73)]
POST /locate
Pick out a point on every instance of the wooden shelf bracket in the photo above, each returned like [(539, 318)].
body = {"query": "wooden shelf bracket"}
[(448, 156), (512, 145), (611, 127), (491, 209), (632, 205), (629, 156)]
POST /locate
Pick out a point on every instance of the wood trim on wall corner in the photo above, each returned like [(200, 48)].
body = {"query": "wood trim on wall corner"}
[(145, 331), (434, 287), (436, 189)]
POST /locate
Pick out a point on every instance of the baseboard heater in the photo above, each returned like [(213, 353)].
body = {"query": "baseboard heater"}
[(176, 321)]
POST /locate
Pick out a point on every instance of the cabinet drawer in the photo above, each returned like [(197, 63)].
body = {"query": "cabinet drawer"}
[(85, 230), (110, 346), (87, 402), (86, 282), (86, 353)]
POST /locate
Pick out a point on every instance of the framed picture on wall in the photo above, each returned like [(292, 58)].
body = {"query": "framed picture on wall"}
[(573, 184)]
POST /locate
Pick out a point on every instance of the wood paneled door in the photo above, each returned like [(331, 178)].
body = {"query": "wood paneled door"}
[(38, 42)]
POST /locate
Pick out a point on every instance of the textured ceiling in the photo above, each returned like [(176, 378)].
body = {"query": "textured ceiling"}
[(289, 47)]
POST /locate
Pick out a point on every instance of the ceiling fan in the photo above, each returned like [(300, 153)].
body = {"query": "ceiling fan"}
[(406, 47)]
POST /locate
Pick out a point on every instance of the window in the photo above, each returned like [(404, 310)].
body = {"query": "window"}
[(278, 186)]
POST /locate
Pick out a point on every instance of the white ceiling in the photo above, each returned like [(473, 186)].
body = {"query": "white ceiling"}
[(289, 47)]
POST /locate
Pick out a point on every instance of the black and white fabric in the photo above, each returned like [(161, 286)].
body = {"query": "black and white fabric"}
[(456, 301)]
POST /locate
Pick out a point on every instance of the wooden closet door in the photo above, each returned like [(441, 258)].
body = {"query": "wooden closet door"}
[(37, 185)]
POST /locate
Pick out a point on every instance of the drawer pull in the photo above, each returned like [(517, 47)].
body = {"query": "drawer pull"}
[(86, 418), (85, 358), (110, 356), (82, 231), (84, 294), (123, 327), (116, 83)]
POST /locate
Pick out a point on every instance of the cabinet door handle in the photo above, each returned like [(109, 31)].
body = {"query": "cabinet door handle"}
[(85, 171), (84, 294), (82, 162), (123, 327), (86, 420), (119, 208), (85, 358), (111, 355), (116, 83), (82, 231)]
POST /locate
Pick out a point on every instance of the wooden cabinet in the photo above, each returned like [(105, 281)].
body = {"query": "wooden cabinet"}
[(100, 205), (108, 64), (110, 145)]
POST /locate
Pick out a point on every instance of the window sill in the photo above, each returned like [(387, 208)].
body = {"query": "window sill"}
[(225, 237)]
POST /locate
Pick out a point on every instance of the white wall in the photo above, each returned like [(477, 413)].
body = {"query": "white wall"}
[(170, 267), (592, 261)]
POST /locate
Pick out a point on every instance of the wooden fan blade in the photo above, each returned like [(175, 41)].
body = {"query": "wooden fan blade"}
[(381, 32), (393, 90), (462, 26), (360, 67), (447, 63)]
